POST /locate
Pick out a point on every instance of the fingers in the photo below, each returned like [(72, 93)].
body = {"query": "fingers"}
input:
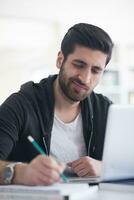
[(40, 179), (69, 164), (83, 172), (42, 171), (49, 173), (79, 168), (49, 162), (78, 164), (74, 163), (86, 166), (61, 167)]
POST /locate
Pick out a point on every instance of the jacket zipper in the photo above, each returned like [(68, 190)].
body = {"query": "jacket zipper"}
[(89, 144), (44, 142)]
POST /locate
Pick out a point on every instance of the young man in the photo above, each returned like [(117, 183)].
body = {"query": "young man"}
[(62, 113)]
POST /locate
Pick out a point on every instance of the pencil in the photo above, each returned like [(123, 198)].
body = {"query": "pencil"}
[(40, 150)]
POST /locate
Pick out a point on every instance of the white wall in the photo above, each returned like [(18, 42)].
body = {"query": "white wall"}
[(31, 31)]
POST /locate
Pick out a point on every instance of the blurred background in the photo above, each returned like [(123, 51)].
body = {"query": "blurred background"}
[(31, 32)]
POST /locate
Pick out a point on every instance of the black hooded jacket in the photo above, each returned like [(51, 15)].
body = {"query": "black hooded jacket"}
[(31, 112)]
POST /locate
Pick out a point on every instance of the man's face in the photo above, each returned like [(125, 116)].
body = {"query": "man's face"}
[(80, 72)]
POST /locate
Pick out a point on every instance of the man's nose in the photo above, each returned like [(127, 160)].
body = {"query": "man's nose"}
[(85, 76)]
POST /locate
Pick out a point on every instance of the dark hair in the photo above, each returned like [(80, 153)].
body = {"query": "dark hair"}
[(87, 35)]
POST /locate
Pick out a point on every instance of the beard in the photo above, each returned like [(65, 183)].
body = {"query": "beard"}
[(66, 86)]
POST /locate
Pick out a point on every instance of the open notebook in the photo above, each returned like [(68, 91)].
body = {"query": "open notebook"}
[(118, 153)]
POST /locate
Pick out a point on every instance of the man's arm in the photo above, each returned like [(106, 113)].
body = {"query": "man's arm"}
[(11, 124), (40, 171)]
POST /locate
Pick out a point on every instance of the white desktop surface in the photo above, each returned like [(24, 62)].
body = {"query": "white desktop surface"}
[(113, 195), (94, 194)]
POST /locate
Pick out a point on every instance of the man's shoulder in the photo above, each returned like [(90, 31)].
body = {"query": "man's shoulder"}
[(29, 92), (31, 88), (100, 98), (97, 103)]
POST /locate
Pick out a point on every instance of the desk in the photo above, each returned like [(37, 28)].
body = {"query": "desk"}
[(94, 194), (113, 195)]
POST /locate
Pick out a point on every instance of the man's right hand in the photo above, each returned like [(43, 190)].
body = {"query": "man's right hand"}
[(40, 171)]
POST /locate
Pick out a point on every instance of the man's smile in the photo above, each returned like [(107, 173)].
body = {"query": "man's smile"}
[(79, 86)]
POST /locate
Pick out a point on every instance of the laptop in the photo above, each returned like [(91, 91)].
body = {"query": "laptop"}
[(118, 152)]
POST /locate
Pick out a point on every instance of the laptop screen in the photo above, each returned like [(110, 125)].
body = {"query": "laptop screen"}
[(118, 153)]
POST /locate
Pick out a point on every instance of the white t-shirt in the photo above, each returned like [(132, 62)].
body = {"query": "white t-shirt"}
[(67, 141)]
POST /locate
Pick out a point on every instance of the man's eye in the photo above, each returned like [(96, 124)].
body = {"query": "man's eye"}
[(79, 65), (96, 71)]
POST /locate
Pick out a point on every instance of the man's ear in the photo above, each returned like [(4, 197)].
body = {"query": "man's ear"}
[(60, 58)]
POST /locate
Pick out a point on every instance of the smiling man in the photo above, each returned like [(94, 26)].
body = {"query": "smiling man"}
[(62, 113), (81, 72)]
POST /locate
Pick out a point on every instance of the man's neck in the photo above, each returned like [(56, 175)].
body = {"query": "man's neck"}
[(65, 109)]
